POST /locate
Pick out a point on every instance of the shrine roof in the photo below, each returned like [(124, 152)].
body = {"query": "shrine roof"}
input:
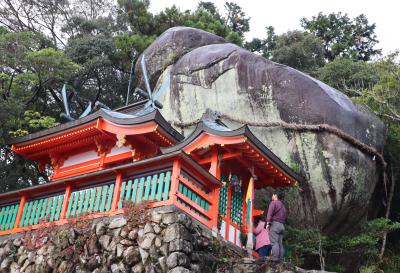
[(111, 116), (220, 131), (216, 126)]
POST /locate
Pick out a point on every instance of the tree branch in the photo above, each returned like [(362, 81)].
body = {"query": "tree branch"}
[(387, 214), (56, 98), (10, 84)]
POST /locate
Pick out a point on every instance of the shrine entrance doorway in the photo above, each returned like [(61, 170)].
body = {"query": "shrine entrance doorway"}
[(232, 208)]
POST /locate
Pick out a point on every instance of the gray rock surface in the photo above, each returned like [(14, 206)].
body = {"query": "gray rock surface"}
[(117, 223), (214, 75), (177, 259), (171, 46)]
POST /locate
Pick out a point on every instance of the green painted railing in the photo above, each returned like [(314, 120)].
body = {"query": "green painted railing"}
[(154, 187), (193, 196), (237, 207), (91, 200), (8, 214), (236, 203), (47, 209), (223, 201)]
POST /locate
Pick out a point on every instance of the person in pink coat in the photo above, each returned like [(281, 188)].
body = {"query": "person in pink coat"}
[(263, 245)]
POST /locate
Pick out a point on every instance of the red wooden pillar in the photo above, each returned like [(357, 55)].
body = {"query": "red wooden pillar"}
[(215, 169), (249, 225), (64, 207), (117, 190), (228, 213), (176, 170), (245, 224), (20, 211)]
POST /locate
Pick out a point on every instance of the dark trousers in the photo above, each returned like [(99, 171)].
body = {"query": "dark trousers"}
[(264, 251), (276, 238)]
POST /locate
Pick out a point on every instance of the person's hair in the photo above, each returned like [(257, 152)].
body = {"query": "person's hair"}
[(279, 193)]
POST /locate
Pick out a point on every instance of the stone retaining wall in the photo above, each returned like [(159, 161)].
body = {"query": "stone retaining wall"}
[(168, 241), (165, 240)]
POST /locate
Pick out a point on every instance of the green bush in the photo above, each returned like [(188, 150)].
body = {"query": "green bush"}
[(369, 269), (391, 264), (306, 242)]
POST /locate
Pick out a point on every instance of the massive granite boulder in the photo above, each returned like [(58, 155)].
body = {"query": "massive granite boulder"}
[(207, 73), (171, 46)]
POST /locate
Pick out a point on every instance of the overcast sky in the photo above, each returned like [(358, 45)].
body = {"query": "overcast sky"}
[(285, 15)]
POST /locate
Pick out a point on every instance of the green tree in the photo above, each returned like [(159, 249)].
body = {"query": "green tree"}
[(236, 18), (136, 12), (31, 73), (265, 46), (16, 171), (15, 45), (343, 36), (48, 70), (305, 242), (30, 76), (384, 97), (299, 50), (234, 38), (102, 77), (349, 76), (124, 43), (35, 16), (170, 17), (384, 100), (210, 8), (204, 19), (91, 9)]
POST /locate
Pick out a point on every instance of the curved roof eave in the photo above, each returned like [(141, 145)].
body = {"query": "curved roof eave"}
[(200, 128), (242, 131), (273, 157), (118, 118)]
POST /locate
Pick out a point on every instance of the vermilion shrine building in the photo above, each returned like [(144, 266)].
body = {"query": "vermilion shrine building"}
[(109, 157)]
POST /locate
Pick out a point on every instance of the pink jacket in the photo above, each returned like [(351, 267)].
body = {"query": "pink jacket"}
[(262, 235)]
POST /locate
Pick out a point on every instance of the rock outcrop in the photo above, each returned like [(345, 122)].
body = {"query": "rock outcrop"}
[(207, 73)]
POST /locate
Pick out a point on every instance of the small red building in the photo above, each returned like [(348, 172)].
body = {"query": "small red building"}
[(109, 157)]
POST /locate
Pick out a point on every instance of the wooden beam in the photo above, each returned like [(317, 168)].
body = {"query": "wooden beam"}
[(228, 213), (194, 205), (75, 133), (206, 140), (194, 215), (117, 190), (64, 207), (259, 165), (215, 169), (137, 129), (176, 170), (195, 189), (20, 211), (195, 157), (225, 156)]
